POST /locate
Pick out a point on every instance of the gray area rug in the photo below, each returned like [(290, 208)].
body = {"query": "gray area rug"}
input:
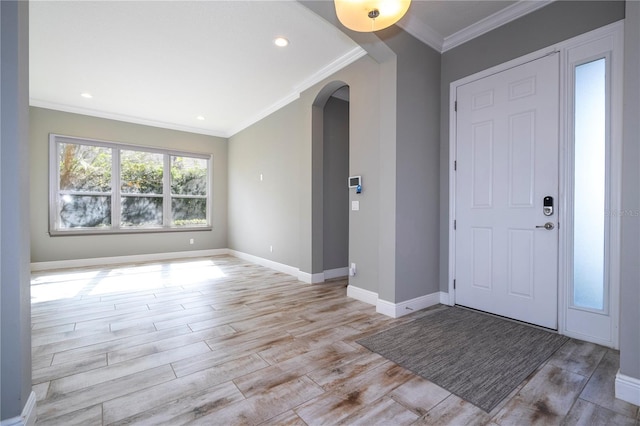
[(478, 357)]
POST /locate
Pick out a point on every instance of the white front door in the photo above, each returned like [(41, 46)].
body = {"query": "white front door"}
[(506, 261)]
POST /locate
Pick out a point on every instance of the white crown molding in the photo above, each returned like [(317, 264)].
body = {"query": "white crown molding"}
[(335, 66), (422, 32), (504, 16), (264, 113), (125, 118)]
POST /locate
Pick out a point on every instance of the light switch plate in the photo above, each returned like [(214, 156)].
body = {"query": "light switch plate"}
[(355, 205)]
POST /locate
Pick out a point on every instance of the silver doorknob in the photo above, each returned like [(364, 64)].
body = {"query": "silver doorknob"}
[(548, 226)]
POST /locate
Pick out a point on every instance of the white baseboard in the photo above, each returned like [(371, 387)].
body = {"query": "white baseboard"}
[(280, 267), (28, 416), (98, 261), (362, 295), (336, 273), (445, 299), (628, 388), (396, 310), (386, 308), (152, 257), (305, 277), (308, 278)]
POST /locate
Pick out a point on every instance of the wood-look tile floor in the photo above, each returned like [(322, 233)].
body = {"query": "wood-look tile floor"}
[(222, 341)]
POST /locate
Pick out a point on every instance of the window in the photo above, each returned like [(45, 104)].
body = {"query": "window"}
[(590, 195), (107, 187)]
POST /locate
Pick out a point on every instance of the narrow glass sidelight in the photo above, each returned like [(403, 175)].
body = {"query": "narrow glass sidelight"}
[(590, 185)]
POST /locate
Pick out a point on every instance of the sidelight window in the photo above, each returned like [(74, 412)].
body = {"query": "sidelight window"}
[(590, 185)]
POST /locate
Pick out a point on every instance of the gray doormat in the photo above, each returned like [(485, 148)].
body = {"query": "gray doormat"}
[(478, 357)]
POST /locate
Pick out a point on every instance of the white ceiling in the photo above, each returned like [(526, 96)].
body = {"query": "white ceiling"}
[(166, 63)]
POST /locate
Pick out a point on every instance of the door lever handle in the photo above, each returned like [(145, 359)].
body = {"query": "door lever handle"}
[(548, 226)]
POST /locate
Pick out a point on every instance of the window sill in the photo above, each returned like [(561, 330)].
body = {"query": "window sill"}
[(77, 232)]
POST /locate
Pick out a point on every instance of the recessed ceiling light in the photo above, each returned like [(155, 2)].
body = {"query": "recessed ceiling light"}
[(86, 95), (281, 42), (200, 117)]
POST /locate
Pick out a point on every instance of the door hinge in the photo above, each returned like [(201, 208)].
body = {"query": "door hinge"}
[(455, 106), (454, 225), (454, 284), (455, 165)]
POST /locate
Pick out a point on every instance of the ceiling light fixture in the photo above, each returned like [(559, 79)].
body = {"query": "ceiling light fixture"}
[(370, 15), (200, 117), (86, 95), (281, 42)]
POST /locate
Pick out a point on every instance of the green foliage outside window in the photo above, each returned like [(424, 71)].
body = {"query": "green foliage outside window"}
[(87, 169), (141, 172)]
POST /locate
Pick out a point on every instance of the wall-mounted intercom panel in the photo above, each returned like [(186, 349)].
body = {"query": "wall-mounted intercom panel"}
[(356, 182)]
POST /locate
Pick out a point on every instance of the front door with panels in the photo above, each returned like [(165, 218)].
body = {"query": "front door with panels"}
[(506, 236)]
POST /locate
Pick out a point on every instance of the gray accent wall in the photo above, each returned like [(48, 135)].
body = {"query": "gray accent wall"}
[(554, 23), (394, 146), (630, 267), (45, 248), (335, 191), (417, 166), (407, 237), (15, 296)]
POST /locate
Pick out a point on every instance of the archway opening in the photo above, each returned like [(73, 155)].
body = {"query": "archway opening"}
[(330, 175)]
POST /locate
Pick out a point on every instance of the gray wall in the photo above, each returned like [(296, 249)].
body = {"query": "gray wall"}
[(45, 248), (278, 211), (559, 21), (417, 166), (630, 268), (267, 213), (15, 303), (394, 146), (335, 191)]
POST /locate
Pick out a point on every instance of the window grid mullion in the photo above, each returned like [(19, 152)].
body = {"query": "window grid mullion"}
[(166, 192), (116, 207), (54, 175), (209, 189)]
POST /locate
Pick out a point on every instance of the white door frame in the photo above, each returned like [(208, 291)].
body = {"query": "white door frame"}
[(614, 30)]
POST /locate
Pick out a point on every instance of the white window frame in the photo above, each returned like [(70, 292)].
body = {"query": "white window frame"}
[(54, 188)]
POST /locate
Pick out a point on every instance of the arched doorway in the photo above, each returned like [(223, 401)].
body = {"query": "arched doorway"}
[(330, 173)]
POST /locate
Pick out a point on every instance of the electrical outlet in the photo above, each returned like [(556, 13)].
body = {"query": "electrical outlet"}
[(191, 241), (352, 270)]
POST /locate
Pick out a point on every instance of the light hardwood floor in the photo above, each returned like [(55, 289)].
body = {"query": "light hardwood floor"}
[(222, 341)]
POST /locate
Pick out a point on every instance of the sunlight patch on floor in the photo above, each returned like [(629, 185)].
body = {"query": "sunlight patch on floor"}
[(124, 279)]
